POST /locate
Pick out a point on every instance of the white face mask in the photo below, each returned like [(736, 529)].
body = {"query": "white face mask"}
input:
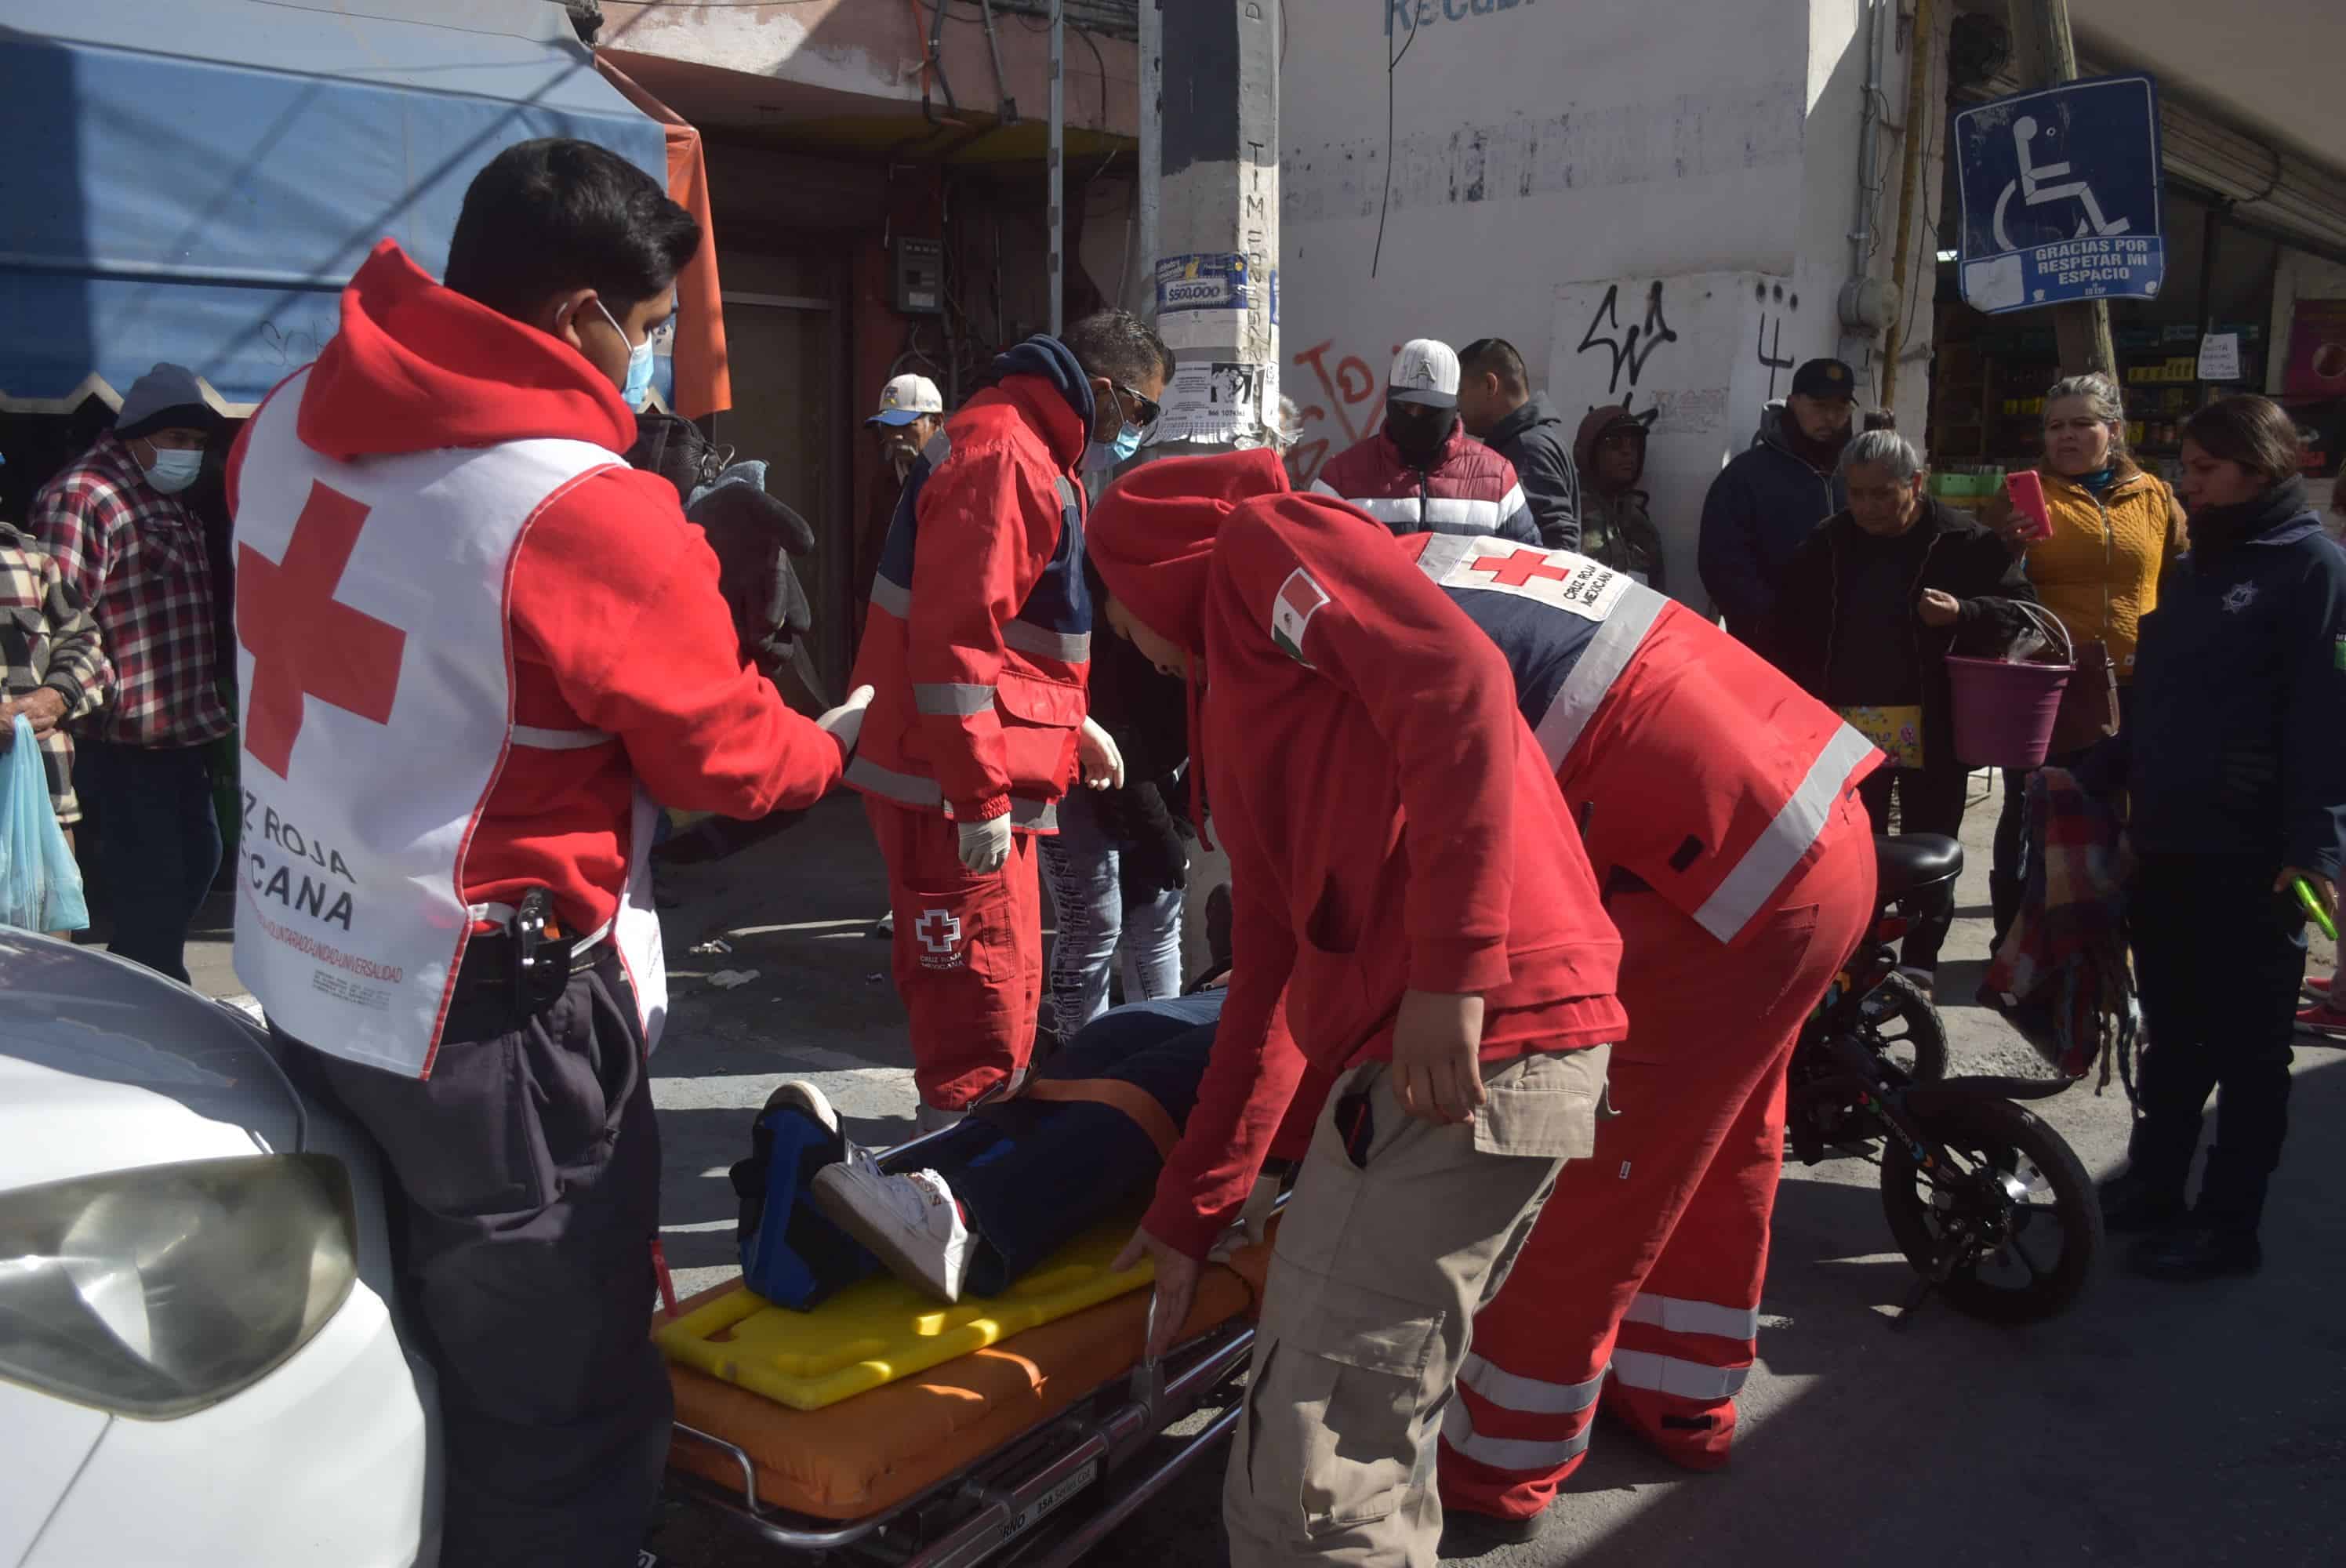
[(174, 469)]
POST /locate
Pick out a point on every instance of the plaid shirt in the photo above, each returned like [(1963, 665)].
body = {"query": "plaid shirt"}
[(137, 557), (47, 638)]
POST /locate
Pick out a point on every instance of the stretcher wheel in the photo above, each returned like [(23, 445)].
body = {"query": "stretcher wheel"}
[(1899, 1025), (2004, 1221)]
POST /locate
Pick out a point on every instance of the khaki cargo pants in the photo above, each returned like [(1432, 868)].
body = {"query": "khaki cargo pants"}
[(1379, 1266)]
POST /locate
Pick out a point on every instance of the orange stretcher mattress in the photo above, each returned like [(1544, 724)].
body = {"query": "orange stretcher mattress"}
[(869, 1452)]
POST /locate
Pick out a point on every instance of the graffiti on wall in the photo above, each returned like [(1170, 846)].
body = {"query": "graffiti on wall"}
[(1772, 355), (1630, 346), (1339, 402)]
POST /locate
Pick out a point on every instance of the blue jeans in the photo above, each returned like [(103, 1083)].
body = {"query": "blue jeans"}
[(1009, 1163), (1080, 866), (159, 844)]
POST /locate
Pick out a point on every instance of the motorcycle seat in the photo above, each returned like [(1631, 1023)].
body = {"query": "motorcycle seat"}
[(1915, 860)]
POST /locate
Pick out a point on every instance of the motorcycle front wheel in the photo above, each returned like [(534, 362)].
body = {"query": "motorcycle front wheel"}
[(2005, 1210)]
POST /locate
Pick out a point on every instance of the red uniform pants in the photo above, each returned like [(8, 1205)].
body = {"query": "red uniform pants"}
[(1649, 1256), (968, 955)]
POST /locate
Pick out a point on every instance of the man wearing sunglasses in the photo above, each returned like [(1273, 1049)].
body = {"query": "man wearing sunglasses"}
[(979, 649)]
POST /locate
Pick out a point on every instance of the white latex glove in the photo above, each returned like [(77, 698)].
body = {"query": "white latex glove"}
[(1101, 763), (845, 722), (986, 845)]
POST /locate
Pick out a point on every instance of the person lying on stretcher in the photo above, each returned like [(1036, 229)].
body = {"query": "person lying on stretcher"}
[(1019, 1178)]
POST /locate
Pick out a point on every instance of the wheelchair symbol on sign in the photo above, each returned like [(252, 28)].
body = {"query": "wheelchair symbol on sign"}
[(2037, 189)]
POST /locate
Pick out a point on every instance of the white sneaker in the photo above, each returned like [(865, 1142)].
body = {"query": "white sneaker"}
[(910, 1222)]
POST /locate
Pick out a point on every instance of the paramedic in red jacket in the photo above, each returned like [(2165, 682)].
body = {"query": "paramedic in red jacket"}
[(1422, 472), (1412, 911), (471, 638), (1717, 802), (977, 646)]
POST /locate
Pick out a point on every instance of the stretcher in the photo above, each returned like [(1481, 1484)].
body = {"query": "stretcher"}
[(1026, 1451)]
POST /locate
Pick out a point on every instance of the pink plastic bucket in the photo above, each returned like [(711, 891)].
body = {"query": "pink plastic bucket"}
[(2005, 712)]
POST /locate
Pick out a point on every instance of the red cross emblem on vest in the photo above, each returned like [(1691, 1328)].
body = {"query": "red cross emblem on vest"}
[(1517, 570), (304, 643)]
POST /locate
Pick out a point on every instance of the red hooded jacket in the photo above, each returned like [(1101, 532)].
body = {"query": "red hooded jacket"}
[(617, 624), (979, 641), (1390, 821)]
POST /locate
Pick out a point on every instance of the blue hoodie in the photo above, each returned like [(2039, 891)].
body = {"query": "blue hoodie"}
[(2236, 742)]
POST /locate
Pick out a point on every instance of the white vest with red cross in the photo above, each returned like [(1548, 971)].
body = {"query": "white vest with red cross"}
[(1689, 761), (373, 605)]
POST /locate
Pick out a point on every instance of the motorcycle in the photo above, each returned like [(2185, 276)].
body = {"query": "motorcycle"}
[(1990, 1205)]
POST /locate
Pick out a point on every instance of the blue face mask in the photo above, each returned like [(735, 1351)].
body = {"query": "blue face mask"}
[(175, 469), (637, 392), (1109, 454)]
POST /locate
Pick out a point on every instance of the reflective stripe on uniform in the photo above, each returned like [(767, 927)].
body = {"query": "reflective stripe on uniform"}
[(908, 787), (894, 597), (957, 698), (1600, 664), (1681, 1378), (1321, 487), (1681, 1316), (538, 739), (1066, 488), (1766, 864), (1447, 514), (1514, 1391), (1507, 1453), (1068, 647), (1036, 815)]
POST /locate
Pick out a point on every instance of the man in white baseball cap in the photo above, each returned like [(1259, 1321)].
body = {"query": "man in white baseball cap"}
[(910, 410), (1422, 472)]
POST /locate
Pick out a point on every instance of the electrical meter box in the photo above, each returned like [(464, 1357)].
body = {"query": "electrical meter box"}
[(920, 277)]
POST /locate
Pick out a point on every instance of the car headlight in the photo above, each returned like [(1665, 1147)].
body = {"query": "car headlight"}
[(156, 1292)]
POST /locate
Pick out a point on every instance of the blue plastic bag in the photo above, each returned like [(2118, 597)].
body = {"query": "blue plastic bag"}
[(40, 886)]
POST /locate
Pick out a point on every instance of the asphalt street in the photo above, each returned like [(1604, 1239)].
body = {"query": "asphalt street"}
[(2153, 1424)]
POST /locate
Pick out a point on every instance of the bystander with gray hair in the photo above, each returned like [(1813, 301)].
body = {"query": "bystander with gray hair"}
[(1870, 607)]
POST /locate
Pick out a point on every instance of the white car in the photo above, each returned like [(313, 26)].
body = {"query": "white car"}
[(200, 1364)]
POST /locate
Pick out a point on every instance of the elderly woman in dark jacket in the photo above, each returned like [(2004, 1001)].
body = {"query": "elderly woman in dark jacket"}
[(2235, 770), (1870, 607)]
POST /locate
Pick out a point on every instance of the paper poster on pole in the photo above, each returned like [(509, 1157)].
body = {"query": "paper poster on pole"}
[(1214, 401), (1202, 300), (2219, 357)]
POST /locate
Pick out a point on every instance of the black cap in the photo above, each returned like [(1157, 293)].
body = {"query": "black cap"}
[(1825, 378)]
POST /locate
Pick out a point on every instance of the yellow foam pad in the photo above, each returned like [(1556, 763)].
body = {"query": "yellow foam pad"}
[(873, 1333)]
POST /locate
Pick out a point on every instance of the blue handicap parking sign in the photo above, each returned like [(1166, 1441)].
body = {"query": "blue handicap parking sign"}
[(2061, 195)]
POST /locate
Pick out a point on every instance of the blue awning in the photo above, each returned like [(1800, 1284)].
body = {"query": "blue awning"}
[(195, 181)]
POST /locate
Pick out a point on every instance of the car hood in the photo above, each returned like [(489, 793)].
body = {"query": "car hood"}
[(105, 1065)]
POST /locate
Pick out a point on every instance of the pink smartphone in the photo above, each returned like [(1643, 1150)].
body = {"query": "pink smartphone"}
[(2027, 493)]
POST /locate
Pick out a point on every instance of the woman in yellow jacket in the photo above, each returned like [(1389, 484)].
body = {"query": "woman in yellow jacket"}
[(2115, 529)]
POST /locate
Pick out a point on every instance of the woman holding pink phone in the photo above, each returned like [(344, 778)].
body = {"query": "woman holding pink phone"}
[(2108, 531)]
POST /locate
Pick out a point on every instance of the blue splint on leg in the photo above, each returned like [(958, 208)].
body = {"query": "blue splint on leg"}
[(791, 1255)]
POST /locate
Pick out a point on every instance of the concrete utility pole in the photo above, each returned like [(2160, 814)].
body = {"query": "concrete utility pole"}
[(2046, 55), (1218, 221), (1058, 155)]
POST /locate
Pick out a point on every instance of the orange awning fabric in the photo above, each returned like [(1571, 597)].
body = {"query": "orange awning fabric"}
[(703, 376)]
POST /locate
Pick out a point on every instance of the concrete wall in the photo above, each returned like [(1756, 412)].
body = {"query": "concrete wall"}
[(1545, 154)]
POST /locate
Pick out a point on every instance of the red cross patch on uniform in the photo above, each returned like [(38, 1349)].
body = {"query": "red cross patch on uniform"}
[(1299, 600)]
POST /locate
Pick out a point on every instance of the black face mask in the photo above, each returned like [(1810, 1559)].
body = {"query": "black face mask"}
[(1420, 433), (2214, 528)]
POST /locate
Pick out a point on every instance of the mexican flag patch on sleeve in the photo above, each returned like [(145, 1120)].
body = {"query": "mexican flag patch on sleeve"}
[(1299, 600)]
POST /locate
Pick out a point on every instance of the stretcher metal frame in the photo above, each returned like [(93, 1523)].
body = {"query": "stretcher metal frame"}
[(1014, 1506)]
